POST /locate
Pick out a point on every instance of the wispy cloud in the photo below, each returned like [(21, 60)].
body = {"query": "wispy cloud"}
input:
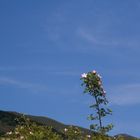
[(125, 95), (51, 70), (15, 68), (25, 68), (104, 40), (91, 38), (66, 73), (20, 84)]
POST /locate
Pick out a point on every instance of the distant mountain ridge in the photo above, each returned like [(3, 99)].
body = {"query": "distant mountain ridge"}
[(8, 123), (126, 136)]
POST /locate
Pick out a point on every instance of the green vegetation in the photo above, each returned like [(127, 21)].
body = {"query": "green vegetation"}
[(28, 130)]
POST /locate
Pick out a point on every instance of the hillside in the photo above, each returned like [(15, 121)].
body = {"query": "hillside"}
[(8, 123)]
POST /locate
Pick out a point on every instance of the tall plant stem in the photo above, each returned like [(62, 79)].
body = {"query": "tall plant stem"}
[(99, 115)]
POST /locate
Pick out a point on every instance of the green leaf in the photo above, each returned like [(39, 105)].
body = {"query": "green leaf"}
[(93, 106), (93, 126), (91, 117)]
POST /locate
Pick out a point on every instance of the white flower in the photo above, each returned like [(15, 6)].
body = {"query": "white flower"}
[(84, 75), (75, 131), (104, 92), (9, 133), (99, 76), (16, 132), (65, 129), (31, 133), (114, 138), (99, 83), (94, 71), (88, 136), (21, 137), (21, 127)]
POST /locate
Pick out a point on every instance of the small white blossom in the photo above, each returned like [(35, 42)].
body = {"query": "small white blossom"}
[(88, 136), (104, 92), (16, 132), (114, 138), (21, 137), (31, 133), (94, 71), (84, 75), (21, 127), (99, 83), (75, 131), (65, 129), (9, 133), (99, 76)]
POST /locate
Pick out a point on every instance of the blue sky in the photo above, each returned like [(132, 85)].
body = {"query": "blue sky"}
[(46, 45)]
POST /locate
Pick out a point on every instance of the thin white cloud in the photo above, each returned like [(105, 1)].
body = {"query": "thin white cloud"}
[(125, 95), (28, 68), (20, 84), (14, 68), (87, 36), (104, 40), (63, 71), (91, 38)]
